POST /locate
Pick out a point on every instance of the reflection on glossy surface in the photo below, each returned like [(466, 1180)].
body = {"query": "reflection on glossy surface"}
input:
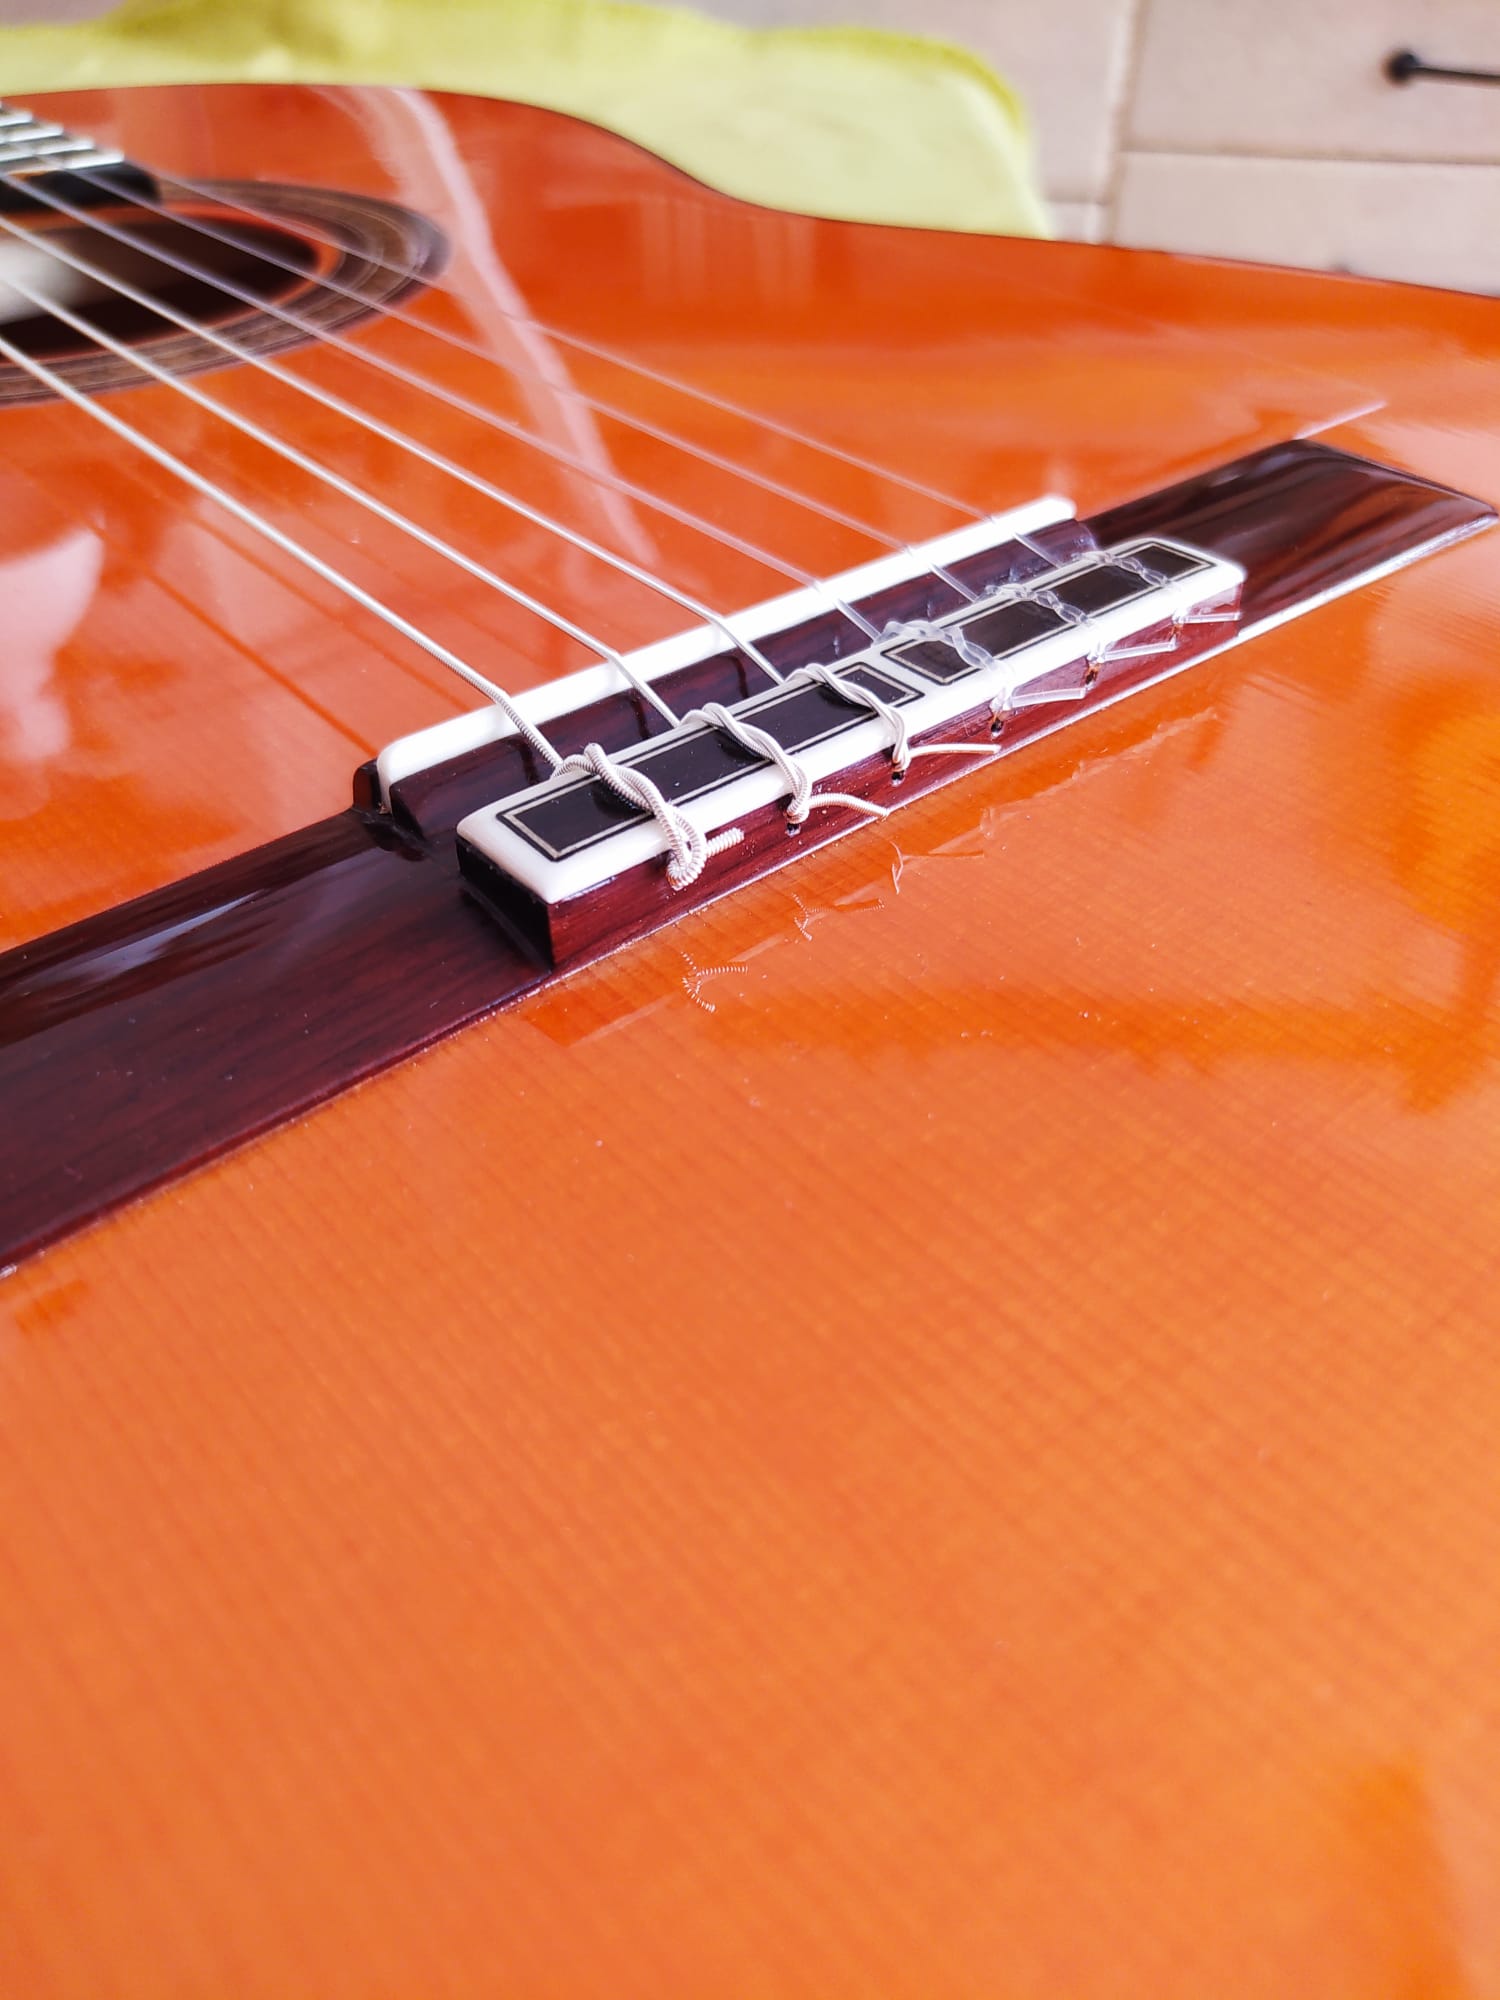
[(47, 590), (1439, 1032), (968, 1468)]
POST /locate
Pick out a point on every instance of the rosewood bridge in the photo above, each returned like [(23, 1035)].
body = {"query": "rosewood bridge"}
[(578, 861), (469, 870)]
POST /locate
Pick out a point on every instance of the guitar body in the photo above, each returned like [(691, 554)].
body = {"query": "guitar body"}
[(927, 1427)]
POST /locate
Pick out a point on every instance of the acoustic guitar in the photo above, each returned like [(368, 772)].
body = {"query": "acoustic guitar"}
[(749, 1087)]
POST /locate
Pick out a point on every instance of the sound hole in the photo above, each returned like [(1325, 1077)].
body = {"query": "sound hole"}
[(34, 265), (284, 261)]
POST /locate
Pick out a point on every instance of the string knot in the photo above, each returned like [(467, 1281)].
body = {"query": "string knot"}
[(863, 697), (801, 798), (689, 847)]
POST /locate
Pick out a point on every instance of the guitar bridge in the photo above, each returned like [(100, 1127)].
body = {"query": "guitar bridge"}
[(608, 846)]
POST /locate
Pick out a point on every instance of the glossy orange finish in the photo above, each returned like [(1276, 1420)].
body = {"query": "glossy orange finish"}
[(929, 1430)]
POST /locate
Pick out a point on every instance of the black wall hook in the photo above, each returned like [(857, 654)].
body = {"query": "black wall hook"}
[(1405, 66)]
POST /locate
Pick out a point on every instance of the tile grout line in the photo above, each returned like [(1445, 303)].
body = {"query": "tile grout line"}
[(1148, 151), (1124, 106)]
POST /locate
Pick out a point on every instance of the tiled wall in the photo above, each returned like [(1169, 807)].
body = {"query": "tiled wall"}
[(1259, 128)]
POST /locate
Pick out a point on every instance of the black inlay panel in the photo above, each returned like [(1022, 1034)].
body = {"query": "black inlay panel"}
[(1014, 626), (1170, 563), (934, 659), (1010, 628), (801, 716), (1001, 631), (1101, 589), (689, 763)]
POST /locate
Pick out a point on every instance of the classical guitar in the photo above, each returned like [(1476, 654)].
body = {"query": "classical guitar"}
[(749, 1157)]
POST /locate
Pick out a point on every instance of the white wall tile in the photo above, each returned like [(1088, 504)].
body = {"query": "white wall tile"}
[(1436, 225), (1078, 221), (1305, 77), (24, 13)]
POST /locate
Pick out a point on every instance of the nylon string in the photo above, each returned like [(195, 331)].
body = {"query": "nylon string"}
[(557, 619), (204, 274), (399, 438), (208, 192), (180, 469), (675, 439), (629, 419), (595, 758)]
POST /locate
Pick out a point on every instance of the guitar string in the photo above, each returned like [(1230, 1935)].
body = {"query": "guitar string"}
[(91, 331), (120, 288), (95, 175), (690, 847), (208, 191), (560, 338), (527, 375), (251, 518), (804, 579), (403, 522), (426, 385), (596, 760)]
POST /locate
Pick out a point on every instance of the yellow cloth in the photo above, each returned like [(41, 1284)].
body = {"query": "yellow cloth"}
[(831, 121)]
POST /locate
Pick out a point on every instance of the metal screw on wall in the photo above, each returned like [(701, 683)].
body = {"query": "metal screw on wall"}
[(1404, 66)]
